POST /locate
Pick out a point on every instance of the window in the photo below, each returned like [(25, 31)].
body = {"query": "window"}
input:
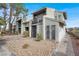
[(47, 32), (59, 16), (27, 28), (56, 17)]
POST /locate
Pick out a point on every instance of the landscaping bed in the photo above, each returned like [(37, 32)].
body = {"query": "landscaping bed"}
[(29, 47)]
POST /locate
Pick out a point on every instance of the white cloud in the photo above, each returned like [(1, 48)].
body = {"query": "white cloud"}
[(73, 23), (73, 17)]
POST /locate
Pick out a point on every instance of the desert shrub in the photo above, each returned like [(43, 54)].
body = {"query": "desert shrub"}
[(16, 33), (25, 34), (8, 32), (39, 37), (2, 33), (25, 46)]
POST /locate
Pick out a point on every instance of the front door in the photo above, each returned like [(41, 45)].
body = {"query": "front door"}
[(19, 29), (53, 31), (34, 31)]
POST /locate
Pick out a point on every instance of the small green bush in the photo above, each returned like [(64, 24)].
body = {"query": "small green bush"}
[(16, 33), (25, 46), (39, 37), (2, 33), (25, 34)]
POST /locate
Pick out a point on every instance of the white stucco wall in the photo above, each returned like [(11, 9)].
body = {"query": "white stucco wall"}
[(62, 33), (49, 21), (59, 31), (22, 28), (30, 28)]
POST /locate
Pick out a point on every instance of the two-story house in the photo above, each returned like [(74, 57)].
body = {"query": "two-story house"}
[(50, 23), (47, 21)]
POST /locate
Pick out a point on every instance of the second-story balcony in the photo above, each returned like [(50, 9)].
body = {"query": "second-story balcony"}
[(35, 21), (19, 18)]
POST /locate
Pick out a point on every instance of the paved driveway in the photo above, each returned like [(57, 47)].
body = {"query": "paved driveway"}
[(3, 50)]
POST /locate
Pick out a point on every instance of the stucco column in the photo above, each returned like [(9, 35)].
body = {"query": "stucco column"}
[(57, 33), (44, 36), (30, 27), (22, 28), (16, 26), (50, 32)]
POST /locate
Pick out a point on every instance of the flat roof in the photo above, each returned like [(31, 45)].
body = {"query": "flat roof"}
[(39, 11)]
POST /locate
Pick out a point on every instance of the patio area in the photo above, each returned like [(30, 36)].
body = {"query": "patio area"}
[(34, 48)]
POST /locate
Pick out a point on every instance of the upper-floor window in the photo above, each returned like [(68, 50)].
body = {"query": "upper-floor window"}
[(56, 17), (59, 16)]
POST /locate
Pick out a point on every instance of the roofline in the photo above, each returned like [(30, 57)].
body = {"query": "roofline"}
[(39, 10)]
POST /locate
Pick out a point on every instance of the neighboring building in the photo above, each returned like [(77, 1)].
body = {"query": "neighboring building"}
[(47, 21), (19, 24), (23, 25), (26, 26)]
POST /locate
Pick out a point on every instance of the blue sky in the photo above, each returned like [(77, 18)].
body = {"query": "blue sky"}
[(72, 10)]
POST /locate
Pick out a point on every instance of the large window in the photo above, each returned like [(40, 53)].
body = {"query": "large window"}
[(47, 31), (53, 32)]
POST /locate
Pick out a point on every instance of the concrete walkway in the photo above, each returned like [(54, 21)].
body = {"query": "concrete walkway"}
[(64, 48), (70, 51), (3, 50)]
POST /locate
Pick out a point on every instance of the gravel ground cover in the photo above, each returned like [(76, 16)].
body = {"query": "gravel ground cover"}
[(35, 48)]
